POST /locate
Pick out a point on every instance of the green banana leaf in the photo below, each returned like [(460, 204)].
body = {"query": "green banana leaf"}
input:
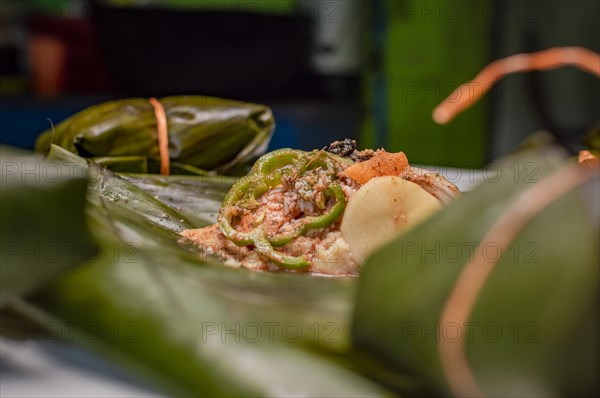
[(124, 164), (205, 133), (42, 222), (534, 328), (190, 325), (194, 197)]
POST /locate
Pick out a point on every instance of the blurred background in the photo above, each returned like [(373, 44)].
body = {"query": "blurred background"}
[(330, 69)]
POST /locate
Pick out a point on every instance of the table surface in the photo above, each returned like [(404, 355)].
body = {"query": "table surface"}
[(51, 369)]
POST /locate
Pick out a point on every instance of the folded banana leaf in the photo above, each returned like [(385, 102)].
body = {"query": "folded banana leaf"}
[(178, 317), (533, 327), (205, 133), (190, 325), (42, 222)]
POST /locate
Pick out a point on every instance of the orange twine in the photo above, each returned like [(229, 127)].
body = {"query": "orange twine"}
[(587, 159), (542, 60), (163, 136)]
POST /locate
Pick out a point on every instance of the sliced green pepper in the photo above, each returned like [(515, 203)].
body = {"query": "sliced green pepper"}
[(314, 222), (266, 174)]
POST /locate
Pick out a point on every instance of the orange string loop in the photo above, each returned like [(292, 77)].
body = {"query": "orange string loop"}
[(553, 58), (163, 136)]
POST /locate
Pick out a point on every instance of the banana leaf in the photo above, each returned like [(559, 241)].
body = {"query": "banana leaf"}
[(173, 314), (42, 222), (194, 197), (178, 317), (534, 327), (123, 164), (205, 133)]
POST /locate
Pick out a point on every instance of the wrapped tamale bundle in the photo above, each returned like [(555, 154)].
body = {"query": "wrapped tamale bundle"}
[(204, 133), (498, 294)]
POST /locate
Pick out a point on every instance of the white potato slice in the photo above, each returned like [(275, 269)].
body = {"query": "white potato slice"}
[(382, 209)]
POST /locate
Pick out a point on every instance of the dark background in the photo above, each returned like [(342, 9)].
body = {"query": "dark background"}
[(370, 70)]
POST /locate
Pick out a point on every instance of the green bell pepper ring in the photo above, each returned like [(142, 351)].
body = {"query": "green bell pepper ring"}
[(314, 222), (266, 174)]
